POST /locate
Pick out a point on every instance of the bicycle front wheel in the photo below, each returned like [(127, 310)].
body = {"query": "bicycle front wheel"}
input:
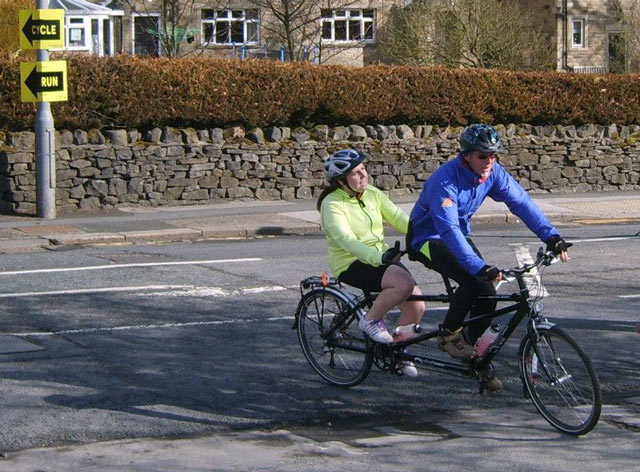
[(330, 338), (561, 381)]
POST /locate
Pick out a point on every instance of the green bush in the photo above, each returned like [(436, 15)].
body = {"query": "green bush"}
[(136, 92)]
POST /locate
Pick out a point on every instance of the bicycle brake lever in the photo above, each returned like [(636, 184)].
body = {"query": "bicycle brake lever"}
[(550, 258)]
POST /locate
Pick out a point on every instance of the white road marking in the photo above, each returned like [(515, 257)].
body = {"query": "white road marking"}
[(151, 326), (269, 288), (635, 295), (156, 291), (127, 266), (89, 290), (594, 240), (599, 240), (173, 325), (532, 279), (192, 291)]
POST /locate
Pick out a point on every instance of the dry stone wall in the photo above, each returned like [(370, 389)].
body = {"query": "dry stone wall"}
[(110, 168)]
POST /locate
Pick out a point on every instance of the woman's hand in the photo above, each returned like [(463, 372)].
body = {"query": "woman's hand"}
[(392, 254)]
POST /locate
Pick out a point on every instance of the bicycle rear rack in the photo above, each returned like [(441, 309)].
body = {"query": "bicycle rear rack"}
[(318, 281)]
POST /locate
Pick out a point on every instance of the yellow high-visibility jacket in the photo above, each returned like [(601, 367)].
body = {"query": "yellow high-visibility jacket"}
[(354, 227)]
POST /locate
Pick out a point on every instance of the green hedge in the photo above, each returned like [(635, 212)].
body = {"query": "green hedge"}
[(135, 92)]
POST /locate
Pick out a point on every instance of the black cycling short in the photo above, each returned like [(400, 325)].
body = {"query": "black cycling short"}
[(366, 277)]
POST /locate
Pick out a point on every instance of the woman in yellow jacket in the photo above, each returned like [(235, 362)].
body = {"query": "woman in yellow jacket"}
[(353, 213)]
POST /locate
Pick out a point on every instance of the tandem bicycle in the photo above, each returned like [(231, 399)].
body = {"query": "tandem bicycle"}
[(556, 373)]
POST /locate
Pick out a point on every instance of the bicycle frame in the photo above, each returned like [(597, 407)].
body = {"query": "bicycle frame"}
[(521, 309), (521, 306)]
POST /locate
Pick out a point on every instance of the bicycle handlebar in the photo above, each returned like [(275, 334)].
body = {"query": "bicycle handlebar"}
[(543, 258)]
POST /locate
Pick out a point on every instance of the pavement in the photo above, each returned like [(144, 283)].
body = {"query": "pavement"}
[(245, 219), (253, 218)]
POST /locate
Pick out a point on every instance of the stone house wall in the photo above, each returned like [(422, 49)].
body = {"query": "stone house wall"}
[(600, 19), (182, 167), (350, 53), (593, 12)]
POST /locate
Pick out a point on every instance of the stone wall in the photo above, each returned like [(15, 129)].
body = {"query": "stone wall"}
[(173, 167)]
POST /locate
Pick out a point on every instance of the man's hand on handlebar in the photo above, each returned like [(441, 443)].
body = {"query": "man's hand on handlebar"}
[(392, 254), (559, 247), (490, 274)]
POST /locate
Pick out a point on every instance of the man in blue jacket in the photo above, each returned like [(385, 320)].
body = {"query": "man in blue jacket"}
[(440, 230)]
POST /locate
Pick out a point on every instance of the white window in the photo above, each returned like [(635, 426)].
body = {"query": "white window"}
[(230, 26), (77, 29), (577, 33), (348, 26), (93, 34)]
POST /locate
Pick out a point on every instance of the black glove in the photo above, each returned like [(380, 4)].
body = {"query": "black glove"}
[(389, 254), (488, 273), (557, 245)]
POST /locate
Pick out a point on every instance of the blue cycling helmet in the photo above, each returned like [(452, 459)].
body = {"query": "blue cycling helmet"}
[(480, 137), (340, 163)]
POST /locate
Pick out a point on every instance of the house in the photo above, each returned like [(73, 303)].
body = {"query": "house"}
[(90, 28), (344, 34), (587, 35)]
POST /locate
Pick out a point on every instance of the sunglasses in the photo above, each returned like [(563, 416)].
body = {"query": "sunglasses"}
[(487, 156)]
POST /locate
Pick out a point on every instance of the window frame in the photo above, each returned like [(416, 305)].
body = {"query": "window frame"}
[(84, 25), (245, 19), (348, 16), (158, 21), (583, 33)]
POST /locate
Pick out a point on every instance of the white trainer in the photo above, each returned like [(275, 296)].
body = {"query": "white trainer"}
[(376, 330), (408, 369)]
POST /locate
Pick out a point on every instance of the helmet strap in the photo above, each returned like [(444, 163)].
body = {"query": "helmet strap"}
[(347, 188)]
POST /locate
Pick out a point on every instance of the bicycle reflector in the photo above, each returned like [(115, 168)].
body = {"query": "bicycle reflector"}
[(325, 278)]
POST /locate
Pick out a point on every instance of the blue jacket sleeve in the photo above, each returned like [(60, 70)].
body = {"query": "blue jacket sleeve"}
[(506, 189), (443, 205)]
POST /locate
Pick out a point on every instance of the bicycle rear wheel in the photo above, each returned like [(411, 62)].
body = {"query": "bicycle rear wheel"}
[(561, 381), (330, 337)]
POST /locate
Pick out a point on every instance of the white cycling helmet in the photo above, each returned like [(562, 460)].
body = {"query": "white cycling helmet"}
[(341, 162)]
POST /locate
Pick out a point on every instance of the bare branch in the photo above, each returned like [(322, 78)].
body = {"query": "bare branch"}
[(296, 24), (176, 19), (467, 33)]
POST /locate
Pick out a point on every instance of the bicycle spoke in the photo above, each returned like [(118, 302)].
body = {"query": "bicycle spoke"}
[(561, 382), (564, 382), (329, 339)]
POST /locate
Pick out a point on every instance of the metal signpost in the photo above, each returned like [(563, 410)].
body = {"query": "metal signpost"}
[(43, 82)]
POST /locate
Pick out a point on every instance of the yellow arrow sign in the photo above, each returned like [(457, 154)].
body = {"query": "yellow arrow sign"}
[(41, 29), (43, 81)]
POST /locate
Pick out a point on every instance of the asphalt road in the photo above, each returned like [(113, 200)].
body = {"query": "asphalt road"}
[(188, 340)]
